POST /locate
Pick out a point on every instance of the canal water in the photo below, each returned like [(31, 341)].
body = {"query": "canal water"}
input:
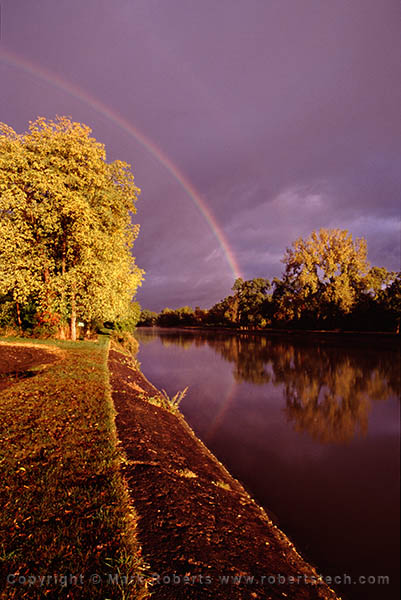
[(310, 426)]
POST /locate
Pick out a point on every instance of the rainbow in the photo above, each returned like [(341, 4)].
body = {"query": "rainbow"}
[(219, 418), (16, 61)]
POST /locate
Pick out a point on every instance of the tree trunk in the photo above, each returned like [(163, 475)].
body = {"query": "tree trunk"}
[(19, 316), (73, 322), (63, 257)]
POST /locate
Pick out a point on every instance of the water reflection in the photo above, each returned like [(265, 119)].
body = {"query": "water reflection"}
[(334, 485), (328, 388)]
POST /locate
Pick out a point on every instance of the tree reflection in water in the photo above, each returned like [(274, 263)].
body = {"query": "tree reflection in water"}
[(328, 388)]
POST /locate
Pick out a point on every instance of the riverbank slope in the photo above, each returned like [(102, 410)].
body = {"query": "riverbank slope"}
[(201, 533)]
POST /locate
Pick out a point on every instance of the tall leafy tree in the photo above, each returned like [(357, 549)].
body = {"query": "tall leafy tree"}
[(148, 318), (251, 296), (390, 300), (224, 313), (324, 274), (65, 223)]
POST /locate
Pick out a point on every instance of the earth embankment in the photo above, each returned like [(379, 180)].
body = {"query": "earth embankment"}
[(201, 533)]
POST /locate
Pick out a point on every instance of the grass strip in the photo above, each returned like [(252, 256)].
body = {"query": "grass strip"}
[(67, 529)]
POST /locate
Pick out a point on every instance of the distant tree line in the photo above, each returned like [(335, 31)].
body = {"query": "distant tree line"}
[(327, 284)]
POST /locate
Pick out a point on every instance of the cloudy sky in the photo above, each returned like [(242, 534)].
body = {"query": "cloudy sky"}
[(248, 123)]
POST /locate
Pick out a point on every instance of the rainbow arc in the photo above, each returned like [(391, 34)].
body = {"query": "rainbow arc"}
[(52, 79)]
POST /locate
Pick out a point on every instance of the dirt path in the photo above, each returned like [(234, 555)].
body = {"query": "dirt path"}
[(18, 360), (197, 524)]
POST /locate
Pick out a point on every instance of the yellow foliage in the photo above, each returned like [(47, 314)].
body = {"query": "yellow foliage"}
[(327, 269), (65, 222)]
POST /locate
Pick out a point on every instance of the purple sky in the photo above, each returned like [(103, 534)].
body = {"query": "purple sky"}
[(284, 115)]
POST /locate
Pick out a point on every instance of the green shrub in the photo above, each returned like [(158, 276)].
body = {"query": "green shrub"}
[(125, 342)]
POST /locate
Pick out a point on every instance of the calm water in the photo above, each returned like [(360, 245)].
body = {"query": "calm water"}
[(309, 426)]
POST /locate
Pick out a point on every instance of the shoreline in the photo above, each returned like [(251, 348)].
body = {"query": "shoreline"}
[(181, 526), (204, 524), (390, 335)]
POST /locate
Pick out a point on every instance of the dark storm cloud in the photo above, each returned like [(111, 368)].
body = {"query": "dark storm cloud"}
[(284, 115)]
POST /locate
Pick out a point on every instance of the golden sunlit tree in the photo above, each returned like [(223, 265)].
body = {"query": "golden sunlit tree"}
[(65, 224), (324, 274)]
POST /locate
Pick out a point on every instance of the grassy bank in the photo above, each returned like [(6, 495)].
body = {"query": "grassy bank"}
[(66, 524)]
